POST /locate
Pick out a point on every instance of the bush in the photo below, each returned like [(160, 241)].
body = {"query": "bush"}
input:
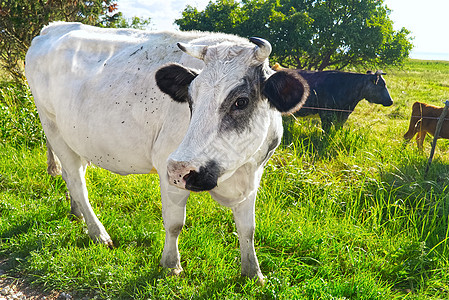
[(19, 121)]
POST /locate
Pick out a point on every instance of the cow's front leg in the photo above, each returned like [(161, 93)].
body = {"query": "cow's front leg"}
[(340, 120), (327, 120), (244, 216), (173, 212)]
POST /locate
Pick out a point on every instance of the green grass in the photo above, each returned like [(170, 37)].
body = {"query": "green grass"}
[(350, 215), (19, 121)]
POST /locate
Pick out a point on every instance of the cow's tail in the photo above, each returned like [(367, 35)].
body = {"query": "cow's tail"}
[(53, 163)]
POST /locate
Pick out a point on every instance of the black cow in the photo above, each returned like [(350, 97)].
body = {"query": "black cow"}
[(334, 94)]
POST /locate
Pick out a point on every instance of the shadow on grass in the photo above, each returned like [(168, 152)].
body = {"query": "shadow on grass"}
[(409, 177), (308, 138), (157, 284)]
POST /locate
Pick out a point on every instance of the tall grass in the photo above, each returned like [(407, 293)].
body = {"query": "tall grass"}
[(19, 121), (349, 215)]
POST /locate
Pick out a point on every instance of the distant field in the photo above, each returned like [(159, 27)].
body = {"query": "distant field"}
[(344, 216)]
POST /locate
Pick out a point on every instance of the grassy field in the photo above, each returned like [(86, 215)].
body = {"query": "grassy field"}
[(350, 215)]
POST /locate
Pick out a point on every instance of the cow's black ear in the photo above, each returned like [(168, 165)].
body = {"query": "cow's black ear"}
[(174, 80), (286, 90)]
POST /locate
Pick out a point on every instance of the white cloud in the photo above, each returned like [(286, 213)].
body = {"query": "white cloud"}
[(162, 13), (427, 22)]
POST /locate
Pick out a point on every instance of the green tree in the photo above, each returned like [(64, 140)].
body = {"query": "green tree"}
[(224, 16), (134, 22), (310, 34), (21, 21)]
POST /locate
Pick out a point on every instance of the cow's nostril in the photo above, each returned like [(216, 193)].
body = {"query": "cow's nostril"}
[(188, 175)]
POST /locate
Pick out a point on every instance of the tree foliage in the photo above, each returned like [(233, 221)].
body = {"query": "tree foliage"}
[(134, 22), (21, 21), (310, 34)]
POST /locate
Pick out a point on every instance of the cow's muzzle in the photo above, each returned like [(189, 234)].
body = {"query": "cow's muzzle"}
[(186, 176), (388, 102)]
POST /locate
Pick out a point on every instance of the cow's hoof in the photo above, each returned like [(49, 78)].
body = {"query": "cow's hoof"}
[(103, 240), (175, 272), (258, 277), (107, 242), (110, 244)]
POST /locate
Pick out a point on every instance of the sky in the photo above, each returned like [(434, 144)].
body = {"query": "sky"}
[(427, 20)]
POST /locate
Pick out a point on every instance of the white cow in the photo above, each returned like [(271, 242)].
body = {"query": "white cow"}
[(98, 94)]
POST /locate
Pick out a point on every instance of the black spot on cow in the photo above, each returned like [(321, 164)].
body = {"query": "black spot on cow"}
[(205, 179)]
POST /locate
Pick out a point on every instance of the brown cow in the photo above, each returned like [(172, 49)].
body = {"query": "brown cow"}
[(424, 120)]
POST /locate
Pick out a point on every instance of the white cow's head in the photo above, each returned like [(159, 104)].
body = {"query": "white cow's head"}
[(235, 104)]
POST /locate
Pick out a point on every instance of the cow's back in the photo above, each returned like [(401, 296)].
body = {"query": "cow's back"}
[(338, 84), (76, 52)]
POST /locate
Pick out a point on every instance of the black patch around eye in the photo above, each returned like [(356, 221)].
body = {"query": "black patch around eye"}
[(240, 103), (237, 110), (238, 115)]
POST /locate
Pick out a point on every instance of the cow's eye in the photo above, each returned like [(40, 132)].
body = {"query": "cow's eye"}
[(240, 103)]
